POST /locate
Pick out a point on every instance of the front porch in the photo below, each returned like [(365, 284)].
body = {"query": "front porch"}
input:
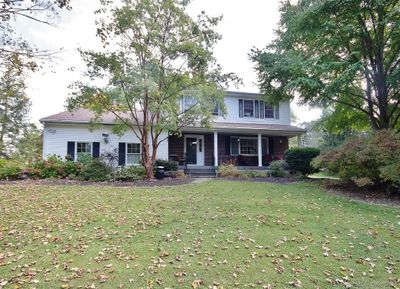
[(247, 151)]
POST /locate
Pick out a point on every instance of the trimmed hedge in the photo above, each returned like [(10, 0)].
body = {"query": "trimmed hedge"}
[(299, 160)]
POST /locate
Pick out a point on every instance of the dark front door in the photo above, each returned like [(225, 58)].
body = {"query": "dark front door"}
[(191, 151)]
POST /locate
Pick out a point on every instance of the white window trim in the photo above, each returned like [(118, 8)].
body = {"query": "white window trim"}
[(76, 149), (126, 154), (239, 148), (254, 108), (274, 107), (273, 111)]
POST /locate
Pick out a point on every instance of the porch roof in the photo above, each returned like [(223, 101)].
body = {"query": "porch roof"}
[(249, 128)]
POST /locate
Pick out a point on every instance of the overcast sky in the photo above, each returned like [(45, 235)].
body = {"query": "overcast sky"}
[(246, 24)]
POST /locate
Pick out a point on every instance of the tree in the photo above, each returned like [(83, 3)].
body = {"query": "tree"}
[(156, 56), (336, 52), (28, 146), (340, 119), (14, 104), (324, 133), (41, 11)]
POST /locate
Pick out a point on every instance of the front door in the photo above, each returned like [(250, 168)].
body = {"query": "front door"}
[(194, 149)]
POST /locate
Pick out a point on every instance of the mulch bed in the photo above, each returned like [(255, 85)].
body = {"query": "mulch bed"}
[(141, 183), (282, 181), (367, 195)]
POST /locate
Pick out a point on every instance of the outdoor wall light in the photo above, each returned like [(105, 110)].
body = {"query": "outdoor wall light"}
[(105, 137)]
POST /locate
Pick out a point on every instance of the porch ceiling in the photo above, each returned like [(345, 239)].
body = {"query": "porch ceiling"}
[(249, 128)]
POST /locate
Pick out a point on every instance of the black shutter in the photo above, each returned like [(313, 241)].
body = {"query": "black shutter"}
[(271, 145), (227, 145), (71, 150), (121, 153), (96, 150), (240, 107)]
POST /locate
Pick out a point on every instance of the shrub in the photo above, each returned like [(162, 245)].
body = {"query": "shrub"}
[(96, 171), (72, 169), (85, 159), (299, 159), (255, 174), (168, 165), (53, 167), (9, 170), (277, 168), (130, 174), (373, 159), (229, 170)]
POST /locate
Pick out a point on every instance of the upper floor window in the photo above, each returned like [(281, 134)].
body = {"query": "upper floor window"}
[(248, 108), (189, 102), (216, 110), (269, 111), (257, 109)]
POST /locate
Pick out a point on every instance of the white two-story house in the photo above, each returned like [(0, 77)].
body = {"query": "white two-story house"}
[(251, 133)]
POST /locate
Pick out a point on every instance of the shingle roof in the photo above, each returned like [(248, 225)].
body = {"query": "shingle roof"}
[(79, 116), (85, 116)]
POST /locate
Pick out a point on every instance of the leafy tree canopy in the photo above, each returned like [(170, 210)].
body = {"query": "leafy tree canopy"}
[(336, 52), (41, 11), (156, 55), (340, 119)]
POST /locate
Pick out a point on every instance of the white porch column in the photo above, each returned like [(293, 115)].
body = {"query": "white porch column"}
[(259, 150), (215, 149)]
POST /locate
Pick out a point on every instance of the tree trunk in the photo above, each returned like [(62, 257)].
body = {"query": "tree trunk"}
[(148, 165), (146, 158)]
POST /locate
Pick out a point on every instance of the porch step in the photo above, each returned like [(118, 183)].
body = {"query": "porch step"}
[(198, 172)]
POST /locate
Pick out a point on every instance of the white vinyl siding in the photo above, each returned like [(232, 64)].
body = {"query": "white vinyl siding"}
[(233, 111), (56, 137)]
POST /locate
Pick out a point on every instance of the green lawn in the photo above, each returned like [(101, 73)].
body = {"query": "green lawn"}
[(218, 233)]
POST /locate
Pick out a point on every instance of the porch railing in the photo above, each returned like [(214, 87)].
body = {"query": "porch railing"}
[(242, 160)]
